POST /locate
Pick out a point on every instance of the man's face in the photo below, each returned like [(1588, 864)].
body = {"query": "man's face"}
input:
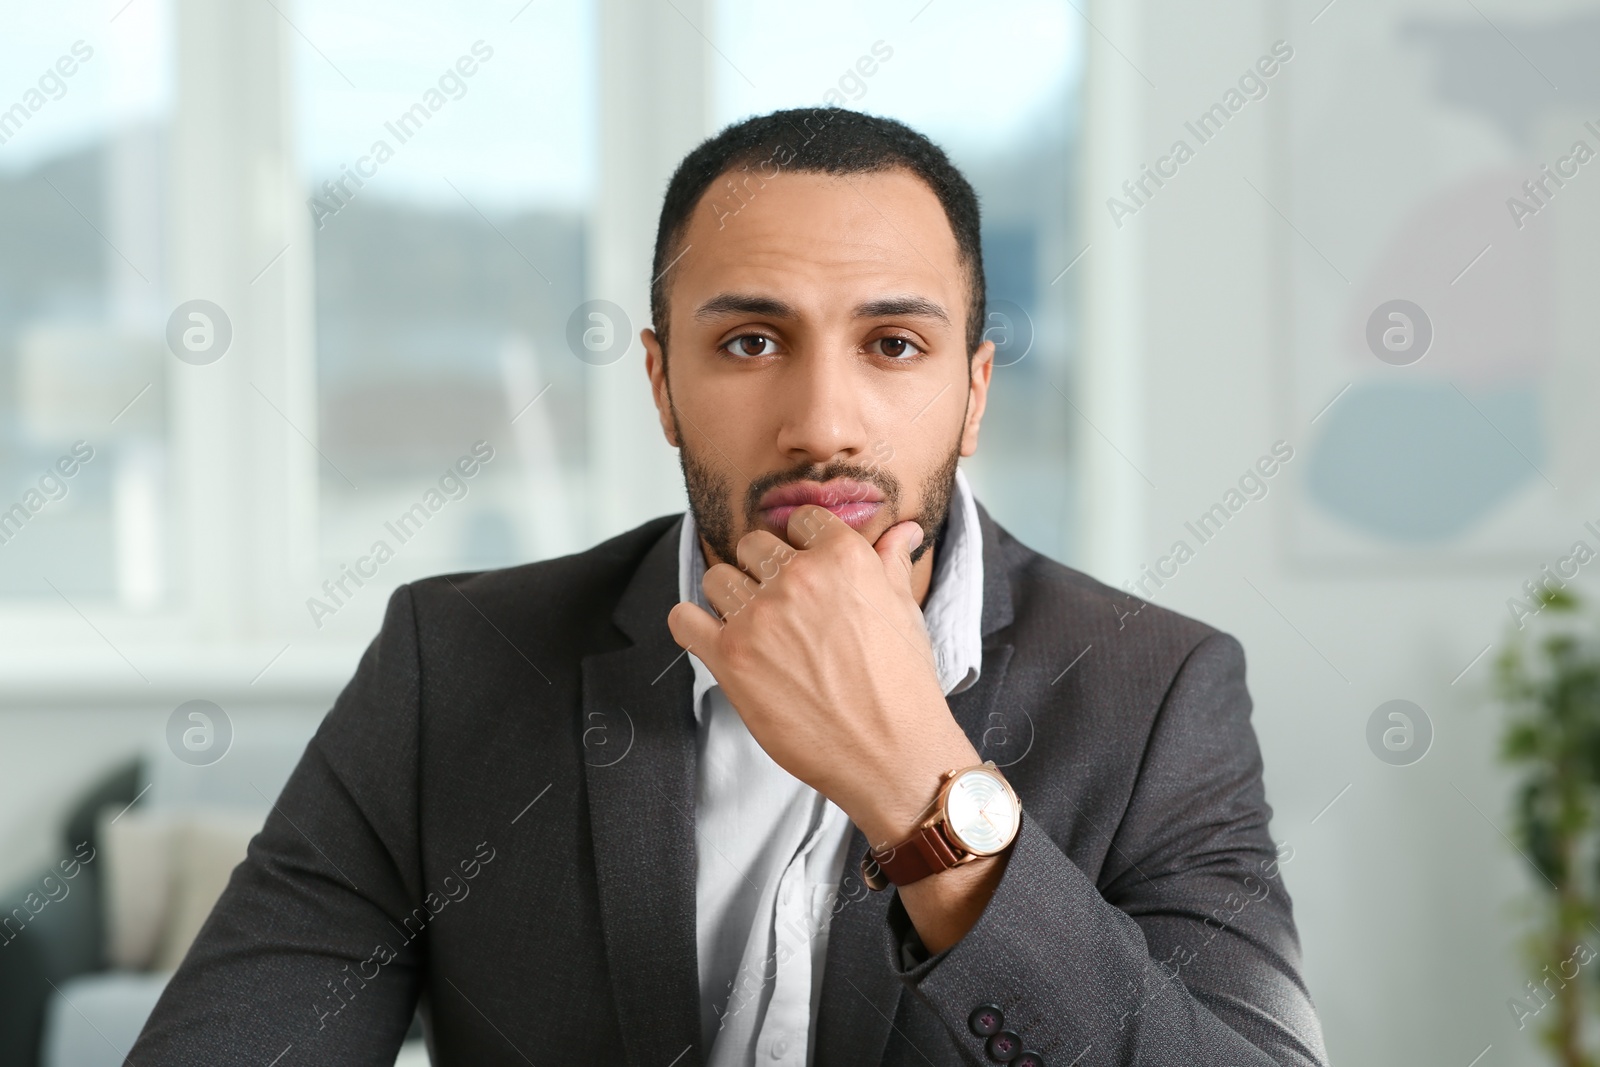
[(818, 355)]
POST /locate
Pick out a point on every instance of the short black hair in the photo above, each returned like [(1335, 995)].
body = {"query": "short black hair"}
[(825, 140)]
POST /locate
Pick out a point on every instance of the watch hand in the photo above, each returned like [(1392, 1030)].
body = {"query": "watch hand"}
[(983, 811)]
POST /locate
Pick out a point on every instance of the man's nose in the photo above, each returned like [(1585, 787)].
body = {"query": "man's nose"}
[(822, 407)]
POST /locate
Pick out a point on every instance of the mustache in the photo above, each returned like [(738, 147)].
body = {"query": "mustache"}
[(887, 483)]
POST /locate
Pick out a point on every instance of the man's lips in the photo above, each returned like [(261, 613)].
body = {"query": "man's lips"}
[(854, 502)]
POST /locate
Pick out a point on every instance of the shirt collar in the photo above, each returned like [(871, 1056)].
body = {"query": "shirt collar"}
[(953, 611)]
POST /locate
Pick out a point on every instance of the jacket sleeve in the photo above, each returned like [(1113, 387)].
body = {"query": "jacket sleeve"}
[(313, 952), (1185, 954)]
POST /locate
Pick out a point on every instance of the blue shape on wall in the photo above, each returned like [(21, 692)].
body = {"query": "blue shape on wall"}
[(1417, 464)]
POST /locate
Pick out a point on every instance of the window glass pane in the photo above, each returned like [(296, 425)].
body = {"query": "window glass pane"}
[(84, 112), (449, 157), (1015, 137)]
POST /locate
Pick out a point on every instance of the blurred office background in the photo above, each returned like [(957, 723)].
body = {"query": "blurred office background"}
[(1158, 337)]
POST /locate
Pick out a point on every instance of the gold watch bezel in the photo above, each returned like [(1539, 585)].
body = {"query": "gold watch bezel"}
[(942, 811)]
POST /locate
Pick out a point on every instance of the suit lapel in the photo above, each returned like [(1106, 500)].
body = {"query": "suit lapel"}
[(639, 755), (860, 993)]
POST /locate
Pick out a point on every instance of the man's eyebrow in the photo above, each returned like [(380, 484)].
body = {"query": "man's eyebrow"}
[(771, 307), (744, 304), (902, 306)]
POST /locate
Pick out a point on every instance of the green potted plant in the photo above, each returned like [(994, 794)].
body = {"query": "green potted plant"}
[(1549, 678)]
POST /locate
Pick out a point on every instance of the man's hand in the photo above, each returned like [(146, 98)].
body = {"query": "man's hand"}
[(823, 652)]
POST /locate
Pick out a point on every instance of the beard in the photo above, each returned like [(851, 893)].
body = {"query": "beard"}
[(711, 496)]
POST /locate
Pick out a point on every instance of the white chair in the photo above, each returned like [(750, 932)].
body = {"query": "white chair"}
[(165, 862)]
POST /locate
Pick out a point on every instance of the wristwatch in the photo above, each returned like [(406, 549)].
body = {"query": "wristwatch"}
[(975, 814)]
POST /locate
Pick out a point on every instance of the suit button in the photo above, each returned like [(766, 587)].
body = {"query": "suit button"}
[(1028, 1059), (986, 1019), (1004, 1046)]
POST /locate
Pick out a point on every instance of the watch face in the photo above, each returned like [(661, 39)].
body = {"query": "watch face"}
[(981, 812)]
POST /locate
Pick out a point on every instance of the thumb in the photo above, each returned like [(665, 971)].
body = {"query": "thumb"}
[(894, 549)]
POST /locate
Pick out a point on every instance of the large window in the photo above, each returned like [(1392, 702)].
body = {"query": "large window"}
[(302, 279), (450, 162), (85, 513)]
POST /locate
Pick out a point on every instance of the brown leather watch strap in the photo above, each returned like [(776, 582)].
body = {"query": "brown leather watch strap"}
[(925, 852)]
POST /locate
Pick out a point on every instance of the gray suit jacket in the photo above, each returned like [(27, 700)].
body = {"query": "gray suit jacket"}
[(496, 822)]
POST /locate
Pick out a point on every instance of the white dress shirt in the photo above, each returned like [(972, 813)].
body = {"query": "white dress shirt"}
[(771, 849)]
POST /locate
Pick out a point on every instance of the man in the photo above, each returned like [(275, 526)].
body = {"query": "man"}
[(728, 788)]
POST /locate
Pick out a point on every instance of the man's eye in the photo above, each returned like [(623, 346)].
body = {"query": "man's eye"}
[(897, 347), (751, 344)]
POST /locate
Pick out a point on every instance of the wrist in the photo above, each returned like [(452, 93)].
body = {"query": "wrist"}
[(897, 796)]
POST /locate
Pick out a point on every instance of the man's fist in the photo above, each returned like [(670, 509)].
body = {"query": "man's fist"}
[(822, 650)]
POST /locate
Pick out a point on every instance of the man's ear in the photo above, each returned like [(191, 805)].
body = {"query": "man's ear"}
[(977, 396), (655, 365)]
